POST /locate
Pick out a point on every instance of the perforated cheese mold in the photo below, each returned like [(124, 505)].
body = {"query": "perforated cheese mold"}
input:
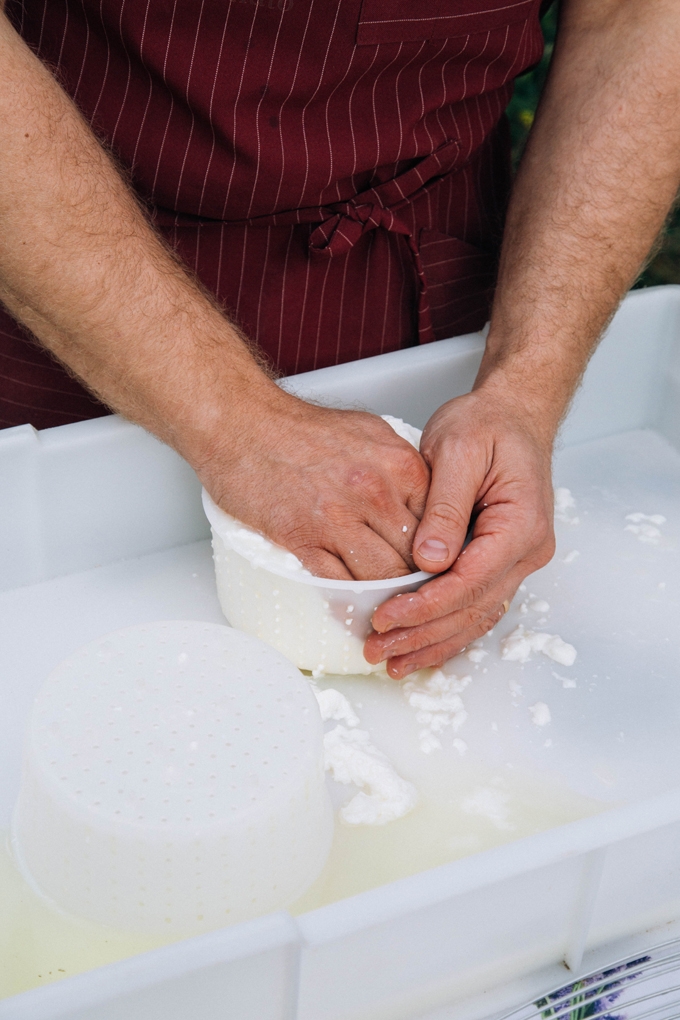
[(173, 781), (318, 623)]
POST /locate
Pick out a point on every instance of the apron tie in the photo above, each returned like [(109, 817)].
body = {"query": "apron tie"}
[(339, 225), (347, 222), (343, 223)]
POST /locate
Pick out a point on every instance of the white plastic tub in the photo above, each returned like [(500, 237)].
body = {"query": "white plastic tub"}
[(94, 496)]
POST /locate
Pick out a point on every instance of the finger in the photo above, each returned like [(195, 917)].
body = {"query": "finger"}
[(397, 529), (482, 565), (436, 655), (418, 485), (379, 500), (322, 563), (404, 641), (368, 557), (456, 478), (411, 474)]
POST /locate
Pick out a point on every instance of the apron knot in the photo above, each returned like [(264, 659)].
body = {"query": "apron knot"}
[(346, 222)]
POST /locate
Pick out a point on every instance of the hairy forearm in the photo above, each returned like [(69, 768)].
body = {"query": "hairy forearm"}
[(81, 267), (601, 169)]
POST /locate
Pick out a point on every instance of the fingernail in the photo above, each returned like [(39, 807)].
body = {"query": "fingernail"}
[(434, 550)]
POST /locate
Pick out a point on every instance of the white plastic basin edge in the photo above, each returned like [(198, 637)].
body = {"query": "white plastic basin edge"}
[(597, 832), (78, 496), (588, 838), (227, 945), (330, 386)]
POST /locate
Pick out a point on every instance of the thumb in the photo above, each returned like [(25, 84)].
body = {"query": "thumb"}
[(451, 499)]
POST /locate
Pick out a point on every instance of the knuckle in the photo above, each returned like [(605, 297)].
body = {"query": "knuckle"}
[(543, 530), (539, 538), (475, 615), (367, 484), (360, 477), (476, 609), (544, 549), (436, 601), (327, 506), (301, 542), (409, 468), (432, 607), (475, 592), (485, 626), (404, 642), (417, 473), (418, 639), (297, 533), (427, 448), (438, 654), (548, 550), (448, 515), (482, 627)]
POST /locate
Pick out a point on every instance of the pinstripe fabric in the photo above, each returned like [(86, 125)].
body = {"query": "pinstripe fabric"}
[(336, 173)]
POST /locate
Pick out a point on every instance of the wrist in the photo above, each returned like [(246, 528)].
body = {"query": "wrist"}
[(534, 408), (533, 378), (227, 417)]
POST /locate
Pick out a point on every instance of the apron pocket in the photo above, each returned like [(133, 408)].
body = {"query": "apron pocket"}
[(390, 21)]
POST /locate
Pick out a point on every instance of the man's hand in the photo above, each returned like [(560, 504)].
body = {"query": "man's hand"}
[(81, 267), (340, 489), (490, 462), (600, 171)]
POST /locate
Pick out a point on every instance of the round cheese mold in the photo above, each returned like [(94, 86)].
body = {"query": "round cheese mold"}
[(173, 781), (318, 623)]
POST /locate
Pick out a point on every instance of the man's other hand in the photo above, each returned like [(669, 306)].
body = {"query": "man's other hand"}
[(490, 465)]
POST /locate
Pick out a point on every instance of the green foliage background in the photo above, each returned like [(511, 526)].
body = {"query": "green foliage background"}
[(664, 267)]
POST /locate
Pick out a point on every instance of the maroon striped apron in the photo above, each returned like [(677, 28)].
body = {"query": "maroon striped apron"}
[(336, 173)]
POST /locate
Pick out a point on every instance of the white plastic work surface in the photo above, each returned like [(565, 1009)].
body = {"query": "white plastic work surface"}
[(80, 497)]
